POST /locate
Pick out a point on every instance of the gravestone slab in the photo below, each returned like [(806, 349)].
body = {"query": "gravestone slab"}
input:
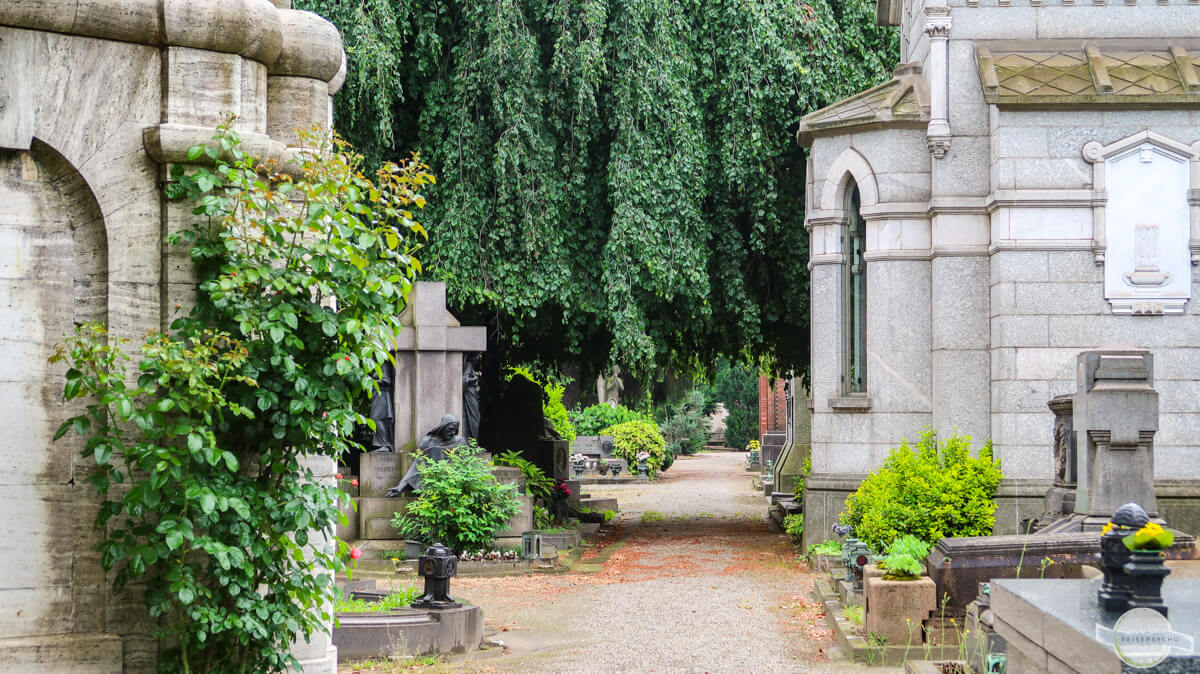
[(594, 446), (772, 446), (1057, 625)]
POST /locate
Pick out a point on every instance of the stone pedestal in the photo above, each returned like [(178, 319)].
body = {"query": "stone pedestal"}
[(898, 609), (1115, 417), (1060, 498)]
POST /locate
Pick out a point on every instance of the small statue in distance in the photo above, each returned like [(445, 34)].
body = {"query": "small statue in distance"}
[(609, 387), (432, 447)]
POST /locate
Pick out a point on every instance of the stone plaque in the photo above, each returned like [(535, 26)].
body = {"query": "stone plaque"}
[(380, 472), (1147, 256)]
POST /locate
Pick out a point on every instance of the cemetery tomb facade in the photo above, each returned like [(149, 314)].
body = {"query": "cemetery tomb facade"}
[(97, 101), (1024, 188)]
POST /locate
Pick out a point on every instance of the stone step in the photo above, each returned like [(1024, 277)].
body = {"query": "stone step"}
[(599, 504)]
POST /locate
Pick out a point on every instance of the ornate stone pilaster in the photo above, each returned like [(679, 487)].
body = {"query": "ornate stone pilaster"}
[(937, 27)]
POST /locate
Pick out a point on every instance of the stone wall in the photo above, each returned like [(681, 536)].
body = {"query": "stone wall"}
[(97, 99)]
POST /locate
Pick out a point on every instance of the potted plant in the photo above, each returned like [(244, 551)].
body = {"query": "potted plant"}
[(602, 467), (1131, 557), (559, 494), (899, 601), (642, 458), (578, 463)]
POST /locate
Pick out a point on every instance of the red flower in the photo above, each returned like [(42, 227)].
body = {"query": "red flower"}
[(355, 553), (338, 476), (353, 483)]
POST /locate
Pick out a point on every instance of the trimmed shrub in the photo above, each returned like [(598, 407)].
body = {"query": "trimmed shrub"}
[(461, 504), (932, 491), (636, 436), (593, 420)]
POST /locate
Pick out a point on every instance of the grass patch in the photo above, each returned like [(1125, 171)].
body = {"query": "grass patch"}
[(853, 613), (652, 516), (396, 599)]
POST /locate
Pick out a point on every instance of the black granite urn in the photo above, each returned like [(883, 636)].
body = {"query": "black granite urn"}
[(438, 565)]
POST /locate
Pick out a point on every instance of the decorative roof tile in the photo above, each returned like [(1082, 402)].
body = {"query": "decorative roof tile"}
[(1041, 73), (901, 101)]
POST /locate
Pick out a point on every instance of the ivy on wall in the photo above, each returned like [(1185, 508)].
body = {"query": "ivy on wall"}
[(619, 178)]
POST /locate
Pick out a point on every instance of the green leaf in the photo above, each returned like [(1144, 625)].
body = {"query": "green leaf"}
[(208, 503)]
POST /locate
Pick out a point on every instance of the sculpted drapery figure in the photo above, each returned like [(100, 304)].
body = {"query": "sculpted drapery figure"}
[(383, 411), (470, 381), (432, 447)]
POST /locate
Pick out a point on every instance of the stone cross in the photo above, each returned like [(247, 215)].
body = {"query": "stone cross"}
[(429, 361), (1115, 417)]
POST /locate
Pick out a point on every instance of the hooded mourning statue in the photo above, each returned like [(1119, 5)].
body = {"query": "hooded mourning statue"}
[(383, 411), (432, 447)]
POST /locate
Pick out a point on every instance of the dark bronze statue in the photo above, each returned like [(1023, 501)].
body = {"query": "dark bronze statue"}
[(470, 383), (383, 411), (432, 447)]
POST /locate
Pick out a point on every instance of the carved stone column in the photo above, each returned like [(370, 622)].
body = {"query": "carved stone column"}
[(937, 27)]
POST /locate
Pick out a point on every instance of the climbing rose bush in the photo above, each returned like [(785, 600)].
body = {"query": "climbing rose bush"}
[(301, 281)]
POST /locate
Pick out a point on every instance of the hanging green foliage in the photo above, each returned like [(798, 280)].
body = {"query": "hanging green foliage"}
[(619, 179)]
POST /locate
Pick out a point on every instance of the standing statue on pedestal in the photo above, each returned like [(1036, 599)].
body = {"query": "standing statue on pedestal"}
[(608, 388), (470, 383), (383, 411), (432, 447)]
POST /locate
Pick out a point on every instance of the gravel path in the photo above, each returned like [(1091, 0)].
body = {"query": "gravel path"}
[(706, 588)]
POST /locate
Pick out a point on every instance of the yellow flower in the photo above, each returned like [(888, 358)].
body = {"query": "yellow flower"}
[(1151, 529), (1107, 528)]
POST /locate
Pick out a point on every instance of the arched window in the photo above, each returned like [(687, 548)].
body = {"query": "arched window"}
[(854, 296)]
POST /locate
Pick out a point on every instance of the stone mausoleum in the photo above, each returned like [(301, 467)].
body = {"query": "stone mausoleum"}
[(98, 98), (1026, 187)]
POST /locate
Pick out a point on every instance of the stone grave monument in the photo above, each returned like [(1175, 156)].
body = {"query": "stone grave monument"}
[(430, 351), (797, 446), (1115, 416)]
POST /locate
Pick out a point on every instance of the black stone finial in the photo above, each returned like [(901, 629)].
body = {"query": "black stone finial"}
[(1131, 515)]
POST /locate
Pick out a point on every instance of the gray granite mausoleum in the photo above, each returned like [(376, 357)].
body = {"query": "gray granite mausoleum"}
[(1026, 187)]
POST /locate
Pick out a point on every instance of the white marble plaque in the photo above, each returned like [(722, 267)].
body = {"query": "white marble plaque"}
[(1147, 262)]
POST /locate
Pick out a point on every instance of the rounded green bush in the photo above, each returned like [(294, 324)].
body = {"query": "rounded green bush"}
[(593, 420), (632, 437), (931, 491)]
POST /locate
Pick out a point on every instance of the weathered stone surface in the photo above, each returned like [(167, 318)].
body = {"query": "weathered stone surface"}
[(897, 609), (311, 47), (81, 226)]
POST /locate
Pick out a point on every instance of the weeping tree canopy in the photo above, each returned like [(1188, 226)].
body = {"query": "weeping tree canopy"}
[(618, 180)]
